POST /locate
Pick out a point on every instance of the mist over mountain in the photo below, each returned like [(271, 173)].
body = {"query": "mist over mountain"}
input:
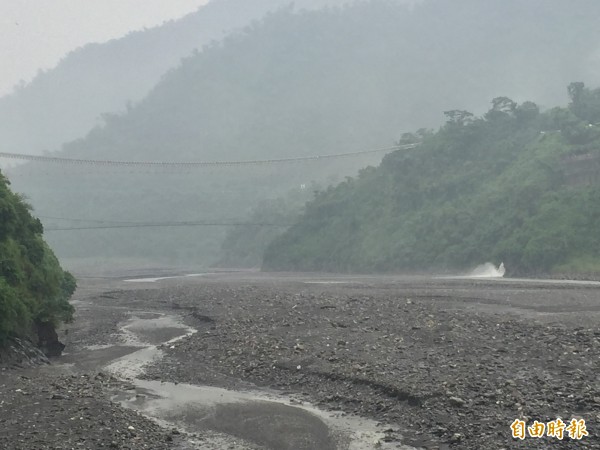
[(64, 103), (301, 83)]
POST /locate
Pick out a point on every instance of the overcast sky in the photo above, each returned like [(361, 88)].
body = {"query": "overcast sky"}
[(35, 34)]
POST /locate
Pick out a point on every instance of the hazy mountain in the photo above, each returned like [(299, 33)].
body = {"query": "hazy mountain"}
[(302, 83), (64, 103)]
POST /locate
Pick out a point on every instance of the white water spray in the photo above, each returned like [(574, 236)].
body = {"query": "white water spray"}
[(488, 270)]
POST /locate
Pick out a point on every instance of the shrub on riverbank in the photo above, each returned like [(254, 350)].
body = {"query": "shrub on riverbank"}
[(34, 289)]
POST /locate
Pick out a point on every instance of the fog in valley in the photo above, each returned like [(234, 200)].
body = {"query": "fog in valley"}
[(67, 101), (266, 80)]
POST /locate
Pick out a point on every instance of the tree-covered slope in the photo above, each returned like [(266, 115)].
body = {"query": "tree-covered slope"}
[(65, 102), (34, 290), (244, 246), (514, 186), (297, 83)]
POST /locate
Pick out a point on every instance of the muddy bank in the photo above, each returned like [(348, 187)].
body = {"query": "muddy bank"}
[(32, 350), (21, 353)]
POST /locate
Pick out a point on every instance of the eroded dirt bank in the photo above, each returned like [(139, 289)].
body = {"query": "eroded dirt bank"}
[(447, 363)]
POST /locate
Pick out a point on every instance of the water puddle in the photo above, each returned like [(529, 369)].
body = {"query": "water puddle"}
[(551, 281), (270, 420), (95, 347), (155, 279), (245, 419), (147, 334)]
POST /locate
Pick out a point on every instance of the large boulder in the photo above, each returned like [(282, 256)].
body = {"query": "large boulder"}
[(48, 339)]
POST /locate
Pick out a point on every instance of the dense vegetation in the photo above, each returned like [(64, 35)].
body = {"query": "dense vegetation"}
[(515, 185), (33, 287), (296, 83)]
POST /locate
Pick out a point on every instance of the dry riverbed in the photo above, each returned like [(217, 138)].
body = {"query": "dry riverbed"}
[(438, 363)]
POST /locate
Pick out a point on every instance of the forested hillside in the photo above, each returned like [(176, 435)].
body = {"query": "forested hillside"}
[(34, 290), (244, 246), (515, 185), (294, 84), (64, 103)]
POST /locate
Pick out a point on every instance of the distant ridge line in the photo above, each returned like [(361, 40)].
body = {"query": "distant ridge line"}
[(191, 164)]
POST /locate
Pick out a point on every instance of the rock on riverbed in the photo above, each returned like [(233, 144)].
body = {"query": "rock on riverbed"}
[(42, 411)]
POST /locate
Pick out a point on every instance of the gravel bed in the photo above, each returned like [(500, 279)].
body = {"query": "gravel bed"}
[(43, 411), (451, 371), (450, 364)]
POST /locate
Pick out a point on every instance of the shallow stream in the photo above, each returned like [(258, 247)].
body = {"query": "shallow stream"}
[(256, 419)]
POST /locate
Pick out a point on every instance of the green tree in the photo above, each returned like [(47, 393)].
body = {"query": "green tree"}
[(33, 287), (496, 189), (585, 103)]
